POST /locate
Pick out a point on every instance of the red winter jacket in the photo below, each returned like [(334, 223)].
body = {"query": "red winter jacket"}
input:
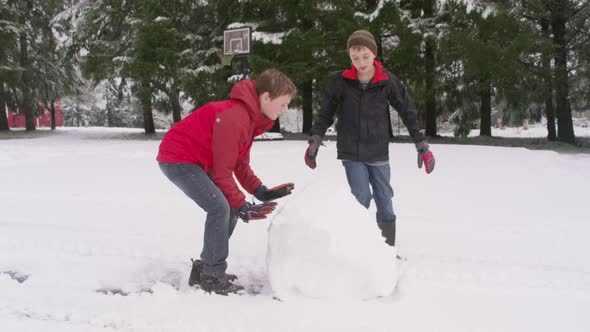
[(218, 137)]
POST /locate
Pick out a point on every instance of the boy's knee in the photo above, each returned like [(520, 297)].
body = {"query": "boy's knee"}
[(363, 198), (219, 205)]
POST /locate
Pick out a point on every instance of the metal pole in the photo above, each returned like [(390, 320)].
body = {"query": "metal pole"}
[(246, 68)]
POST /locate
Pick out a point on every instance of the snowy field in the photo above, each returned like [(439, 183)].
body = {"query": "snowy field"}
[(292, 121), (534, 130), (496, 240)]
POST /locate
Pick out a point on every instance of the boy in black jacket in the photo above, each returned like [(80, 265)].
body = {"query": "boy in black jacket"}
[(361, 96)]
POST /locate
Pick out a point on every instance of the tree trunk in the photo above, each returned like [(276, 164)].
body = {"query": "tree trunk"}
[(27, 104), (429, 67), (3, 117), (277, 127), (176, 109), (145, 97), (549, 110), (307, 91), (565, 127), (79, 122), (109, 109), (52, 111), (307, 95), (370, 5), (485, 94)]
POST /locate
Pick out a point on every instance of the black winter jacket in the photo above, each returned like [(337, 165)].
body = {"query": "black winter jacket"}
[(363, 114)]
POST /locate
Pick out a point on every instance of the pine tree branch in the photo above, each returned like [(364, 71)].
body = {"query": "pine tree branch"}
[(578, 31), (573, 68), (161, 87), (576, 11), (535, 7), (579, 43), (534, 69), (537, 20)]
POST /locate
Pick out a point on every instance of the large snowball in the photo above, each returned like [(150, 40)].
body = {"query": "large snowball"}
[(324, 244)]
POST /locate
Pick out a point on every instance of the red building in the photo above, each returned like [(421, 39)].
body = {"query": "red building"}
[(17, 120)]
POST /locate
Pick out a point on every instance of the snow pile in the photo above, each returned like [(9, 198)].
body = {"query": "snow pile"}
[(323, 244)]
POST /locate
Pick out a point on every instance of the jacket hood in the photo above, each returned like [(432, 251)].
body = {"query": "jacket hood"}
[(380, 75), (245, 91)]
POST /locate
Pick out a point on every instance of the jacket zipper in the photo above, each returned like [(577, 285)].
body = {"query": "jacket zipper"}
[(361, 129)]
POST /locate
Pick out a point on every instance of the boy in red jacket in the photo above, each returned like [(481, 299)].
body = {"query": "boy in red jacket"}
[(202, 153)]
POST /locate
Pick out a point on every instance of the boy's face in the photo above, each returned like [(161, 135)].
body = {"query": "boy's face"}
[(362, 58), (273, 108)]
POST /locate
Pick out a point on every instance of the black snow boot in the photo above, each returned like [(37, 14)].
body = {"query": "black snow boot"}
[(388, 232), (195, 276), (221, 285)]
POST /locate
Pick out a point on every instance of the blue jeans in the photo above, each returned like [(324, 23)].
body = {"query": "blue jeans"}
[(220, 222), (362, 178)]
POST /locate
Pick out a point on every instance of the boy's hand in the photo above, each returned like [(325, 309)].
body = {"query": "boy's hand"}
[(312, 151), (425, 157), (256, 212), (263, 194)]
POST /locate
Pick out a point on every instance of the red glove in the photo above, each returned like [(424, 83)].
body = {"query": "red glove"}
[(312, 151), (428, 160), (425, 157)]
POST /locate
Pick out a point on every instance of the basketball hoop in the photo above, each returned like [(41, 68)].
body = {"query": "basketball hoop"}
[(236, 42), (225, 58)]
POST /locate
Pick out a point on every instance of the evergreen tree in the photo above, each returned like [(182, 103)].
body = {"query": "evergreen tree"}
[(167, 50), (79, 110), (54, 66), (410, 32), (27, 33), (164, 49), (542, 65), (568, 22), (203, 78), (547, 77), (313, 44), (562, 13), (8, 66), (43, 74), (429, 69), (581, 71), (486, 45), (459, 96), (109, 31)]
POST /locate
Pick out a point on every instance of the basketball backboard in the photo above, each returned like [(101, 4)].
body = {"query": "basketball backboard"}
[(237, 41)]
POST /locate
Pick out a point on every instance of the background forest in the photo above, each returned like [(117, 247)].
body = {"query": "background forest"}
[(148, 63)]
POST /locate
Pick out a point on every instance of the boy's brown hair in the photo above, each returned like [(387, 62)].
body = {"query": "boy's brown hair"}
[(275, 83)]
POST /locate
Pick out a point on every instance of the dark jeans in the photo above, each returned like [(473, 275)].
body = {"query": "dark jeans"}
[(362, 177), (221, 220)]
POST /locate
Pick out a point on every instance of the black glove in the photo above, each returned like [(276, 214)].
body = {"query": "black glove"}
[(255, 212), (312, 151), (264, 194), (425, 156)]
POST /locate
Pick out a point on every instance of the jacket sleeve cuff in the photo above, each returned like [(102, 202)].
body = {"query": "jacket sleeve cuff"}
[(422, 146), (417, 136), (259, 193)]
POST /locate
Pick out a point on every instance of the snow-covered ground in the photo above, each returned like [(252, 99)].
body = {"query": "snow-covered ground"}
[(533, 130), (496, 240), (292, 121)]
